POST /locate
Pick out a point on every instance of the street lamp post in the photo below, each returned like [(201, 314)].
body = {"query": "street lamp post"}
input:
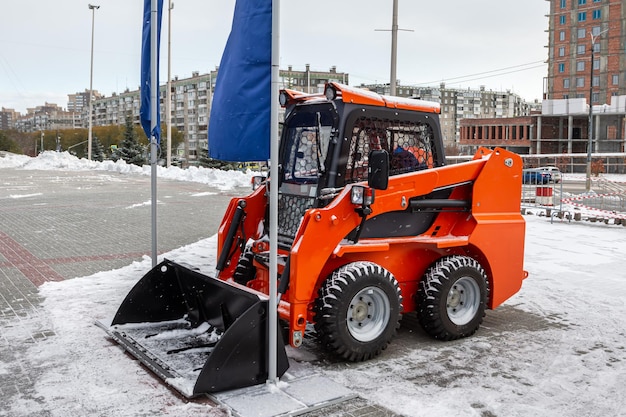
[(168, 93), (93, 17), (590, 122), (394, 48)]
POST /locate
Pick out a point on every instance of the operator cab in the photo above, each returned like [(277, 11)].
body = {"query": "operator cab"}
[(327, 141)]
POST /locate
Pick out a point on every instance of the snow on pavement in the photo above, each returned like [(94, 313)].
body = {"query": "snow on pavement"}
[(557, 348)]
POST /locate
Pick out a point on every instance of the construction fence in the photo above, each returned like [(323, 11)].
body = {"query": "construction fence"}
[(606, 202), (569, 199)]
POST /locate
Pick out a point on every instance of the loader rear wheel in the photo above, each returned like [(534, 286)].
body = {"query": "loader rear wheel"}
[(452, 297), (358, 311)]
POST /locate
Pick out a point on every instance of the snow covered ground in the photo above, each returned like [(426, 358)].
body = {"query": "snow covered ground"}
[(50, 160), (557, 348)]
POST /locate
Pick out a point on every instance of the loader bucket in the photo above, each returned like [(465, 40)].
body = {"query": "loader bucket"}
[(198, 333)]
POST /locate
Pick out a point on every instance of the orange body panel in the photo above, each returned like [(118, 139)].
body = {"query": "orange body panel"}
[(255, 213), (492, 232), (360, 96)]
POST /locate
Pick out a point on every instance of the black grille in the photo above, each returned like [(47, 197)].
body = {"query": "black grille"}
[(411, 146), (291, 208)]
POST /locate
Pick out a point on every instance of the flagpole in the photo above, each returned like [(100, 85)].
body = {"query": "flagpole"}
[(273, 312), (168, 94), (154, 105)]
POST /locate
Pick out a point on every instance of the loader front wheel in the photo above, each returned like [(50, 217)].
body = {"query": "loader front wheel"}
[(358, 311), (452, 297)]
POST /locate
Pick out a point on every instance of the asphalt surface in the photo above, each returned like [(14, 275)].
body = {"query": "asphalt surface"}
[(57, 225)]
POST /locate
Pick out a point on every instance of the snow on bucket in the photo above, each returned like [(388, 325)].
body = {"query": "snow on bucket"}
[(198, 333)]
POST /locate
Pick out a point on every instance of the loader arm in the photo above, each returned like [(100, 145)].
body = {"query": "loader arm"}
[(251, 227)]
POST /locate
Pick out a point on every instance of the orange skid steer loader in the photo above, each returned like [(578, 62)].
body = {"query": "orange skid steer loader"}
[(371, 224)]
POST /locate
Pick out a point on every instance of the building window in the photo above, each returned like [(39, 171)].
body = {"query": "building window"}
[(581, 2), (561, 67), (596, 47), (581, 33), (595, 30), (562, 51), (562, 35), (580, 65), (580, 49), (562, 19), (596, 64), (566, 83), (580, 82), (564, 4), (597, 14), (582, 16), (615, 79), (596, 81), (595, 97)]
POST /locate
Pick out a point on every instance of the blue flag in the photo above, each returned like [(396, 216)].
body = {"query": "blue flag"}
[(146, 73), (239, 126)]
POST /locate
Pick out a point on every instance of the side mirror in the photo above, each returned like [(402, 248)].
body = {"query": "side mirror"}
[(378, 169)]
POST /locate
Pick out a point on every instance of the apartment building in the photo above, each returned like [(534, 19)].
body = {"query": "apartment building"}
[(47, 117), (585, 89), (311, 81), (79, 102), (579, 30), (8, 118)]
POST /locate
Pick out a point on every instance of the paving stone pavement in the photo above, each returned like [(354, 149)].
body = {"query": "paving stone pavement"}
[(57, 225)]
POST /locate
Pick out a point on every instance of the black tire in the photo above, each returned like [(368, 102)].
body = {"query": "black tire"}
[(245, 270), (358, 311), (452, 298)]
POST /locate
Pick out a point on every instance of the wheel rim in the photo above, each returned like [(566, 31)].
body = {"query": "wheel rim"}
[(463, 301), (368, 314)]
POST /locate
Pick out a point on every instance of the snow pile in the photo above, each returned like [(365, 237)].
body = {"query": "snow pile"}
[(11, 160), (50, 160)]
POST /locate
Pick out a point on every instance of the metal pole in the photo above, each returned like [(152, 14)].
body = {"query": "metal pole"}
[(394, 48), (590, 125), (154, 105), (168, 94), (273, 312), (89, 136), (590, 121)]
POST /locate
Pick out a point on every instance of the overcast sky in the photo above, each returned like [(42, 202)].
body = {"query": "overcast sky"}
[(45, 45)]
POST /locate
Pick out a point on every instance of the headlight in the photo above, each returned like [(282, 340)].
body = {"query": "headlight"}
[(283, 98), (362, 196), (330, 92)]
